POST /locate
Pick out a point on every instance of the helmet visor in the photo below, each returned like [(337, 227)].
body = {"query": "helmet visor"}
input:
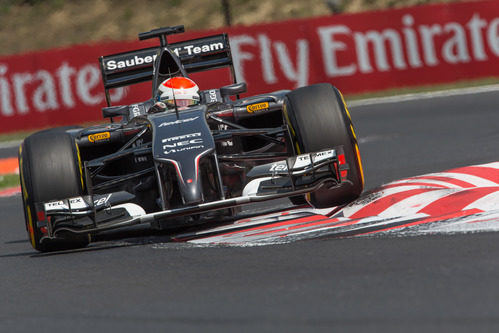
[(180, 102)]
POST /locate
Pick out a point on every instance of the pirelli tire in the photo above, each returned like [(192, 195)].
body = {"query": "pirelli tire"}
[(50, 169), (318, 118)]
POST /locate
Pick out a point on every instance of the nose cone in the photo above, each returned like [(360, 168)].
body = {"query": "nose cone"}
[(191, 191)]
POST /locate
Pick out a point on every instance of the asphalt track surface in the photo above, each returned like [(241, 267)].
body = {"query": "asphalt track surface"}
[(7, 150), (433, 283)]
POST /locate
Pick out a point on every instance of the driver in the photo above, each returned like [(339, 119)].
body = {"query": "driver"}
[(179, 90)]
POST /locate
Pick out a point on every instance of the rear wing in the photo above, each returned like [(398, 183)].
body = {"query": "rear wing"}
[(123, 69)]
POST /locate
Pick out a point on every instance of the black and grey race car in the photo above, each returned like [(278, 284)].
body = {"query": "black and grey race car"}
[(186, 166)]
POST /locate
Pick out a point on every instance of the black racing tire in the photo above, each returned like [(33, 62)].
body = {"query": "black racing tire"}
[(50, 169), (318, 118)]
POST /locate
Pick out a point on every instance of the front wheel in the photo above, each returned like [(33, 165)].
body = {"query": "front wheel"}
[(49, 169), (318, 119)]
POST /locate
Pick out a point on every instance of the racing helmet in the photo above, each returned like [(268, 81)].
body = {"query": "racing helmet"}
[(178, 89)]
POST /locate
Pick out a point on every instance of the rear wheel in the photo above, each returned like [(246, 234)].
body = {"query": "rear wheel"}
[(318, 118), (49, 169)]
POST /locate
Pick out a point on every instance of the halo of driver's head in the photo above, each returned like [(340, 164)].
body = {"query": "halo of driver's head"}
[(178, 90)]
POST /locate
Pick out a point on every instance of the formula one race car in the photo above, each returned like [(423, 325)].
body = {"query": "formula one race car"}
[(184, 166)]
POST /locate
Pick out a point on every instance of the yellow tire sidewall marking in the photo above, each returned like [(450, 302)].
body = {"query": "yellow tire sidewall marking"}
[(31, 229), (79, 165), (361, 169)]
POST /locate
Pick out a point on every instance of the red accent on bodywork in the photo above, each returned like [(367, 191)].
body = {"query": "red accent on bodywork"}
[(341, 159), (225, 113), (40, 215)]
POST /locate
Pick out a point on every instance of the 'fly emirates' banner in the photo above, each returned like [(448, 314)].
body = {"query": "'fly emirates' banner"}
[(355, 52)]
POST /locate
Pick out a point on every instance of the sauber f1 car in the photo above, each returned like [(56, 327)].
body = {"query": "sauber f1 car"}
[(190, 165)]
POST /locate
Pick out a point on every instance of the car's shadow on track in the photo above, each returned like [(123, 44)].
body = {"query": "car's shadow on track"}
[(100, 243), (112, 240), (20, 241), (34, 254)]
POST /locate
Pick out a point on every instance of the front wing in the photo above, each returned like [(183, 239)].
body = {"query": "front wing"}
[(91, 214)]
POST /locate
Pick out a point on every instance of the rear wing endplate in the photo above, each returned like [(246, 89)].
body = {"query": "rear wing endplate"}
[(123, 69)]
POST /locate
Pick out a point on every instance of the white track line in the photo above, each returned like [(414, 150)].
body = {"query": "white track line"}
[(425, 95), (10, 144)]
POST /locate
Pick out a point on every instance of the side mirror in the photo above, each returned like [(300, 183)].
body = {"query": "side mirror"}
[(115, 111), (233, 89)]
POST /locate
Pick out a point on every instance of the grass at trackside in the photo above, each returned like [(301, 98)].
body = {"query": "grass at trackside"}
[(7, 181), (20, 135), (15, 136)]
